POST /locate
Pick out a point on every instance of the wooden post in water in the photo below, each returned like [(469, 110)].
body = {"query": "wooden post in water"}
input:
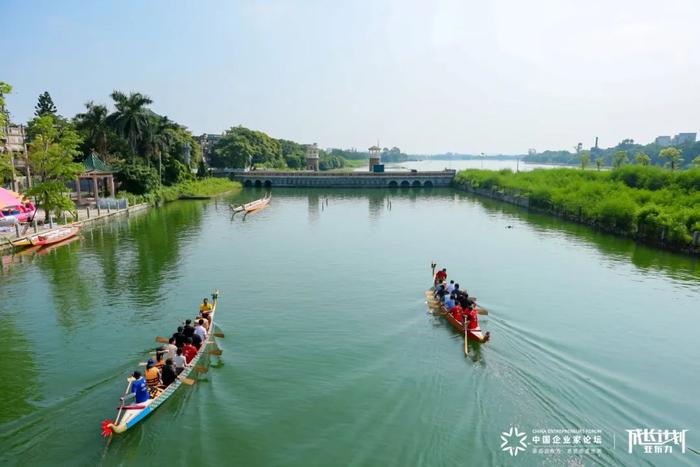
[(98, 210), (88, 211), (50, 221), (17, 230), (65, 218), (34, 225)]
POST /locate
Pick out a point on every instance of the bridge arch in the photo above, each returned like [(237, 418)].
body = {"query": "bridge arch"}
[(416, 184), (258, 183), (428, 184), (393, 184), (268, 183), (405, 184)]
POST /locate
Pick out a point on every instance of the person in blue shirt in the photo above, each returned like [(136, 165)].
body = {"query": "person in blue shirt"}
[(449, 301), (139, 388)]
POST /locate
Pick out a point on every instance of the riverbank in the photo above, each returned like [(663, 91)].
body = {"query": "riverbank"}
[(648, 204), (196, 189)]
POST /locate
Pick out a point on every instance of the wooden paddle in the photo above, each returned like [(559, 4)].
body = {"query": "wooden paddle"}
[(187, 381), (162, 340), (466, 337), (215, 351), (218, 334)]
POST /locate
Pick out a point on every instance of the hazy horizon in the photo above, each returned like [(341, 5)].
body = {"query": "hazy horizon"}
[(451, 76)]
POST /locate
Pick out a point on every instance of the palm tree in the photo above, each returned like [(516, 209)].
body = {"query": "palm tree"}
[(130, 120), (157, 140), (94, 123)]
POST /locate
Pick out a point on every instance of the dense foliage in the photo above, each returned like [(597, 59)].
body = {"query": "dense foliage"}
[(648, 203), (627, 151), (204, 187)]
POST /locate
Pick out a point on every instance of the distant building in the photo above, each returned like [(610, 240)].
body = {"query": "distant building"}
[(13, 139), (682, 138), (312, 159), (663, 141), (207, 141)]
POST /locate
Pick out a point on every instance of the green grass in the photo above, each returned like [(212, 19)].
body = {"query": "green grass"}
[(645, 203), (204, 187)]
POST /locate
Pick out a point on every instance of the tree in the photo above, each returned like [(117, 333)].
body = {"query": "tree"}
[(585, 159), (696, 161), (51, 156), (673, 156), (619, 158), (578, 148), (241, 147), (642, 159), (130, 119), (4, 119), (45, 105), (94, 127), (599, 161)]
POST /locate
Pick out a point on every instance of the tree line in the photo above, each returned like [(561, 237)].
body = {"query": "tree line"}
[(626, 152)]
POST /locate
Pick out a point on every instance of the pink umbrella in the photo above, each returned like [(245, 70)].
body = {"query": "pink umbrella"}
[(8, 198)]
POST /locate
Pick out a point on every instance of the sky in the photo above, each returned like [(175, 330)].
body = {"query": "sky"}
[(497, 76)]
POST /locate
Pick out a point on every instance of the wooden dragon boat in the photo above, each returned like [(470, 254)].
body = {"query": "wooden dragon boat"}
[(474, 334), (253, 205), (48, 238), (129, 415)]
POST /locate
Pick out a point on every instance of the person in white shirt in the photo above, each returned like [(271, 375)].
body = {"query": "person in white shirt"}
[(180, 361), (171, 349), (200, 330), (451, 287)]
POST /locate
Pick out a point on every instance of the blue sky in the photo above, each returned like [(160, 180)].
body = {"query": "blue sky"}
[(460, 75)]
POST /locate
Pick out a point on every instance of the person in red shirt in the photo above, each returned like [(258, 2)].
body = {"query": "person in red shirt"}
[(440, 276), (189, 350), (472, 320), (456, 312)]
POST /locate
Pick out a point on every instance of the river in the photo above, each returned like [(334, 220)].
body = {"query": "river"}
[(330, 355)]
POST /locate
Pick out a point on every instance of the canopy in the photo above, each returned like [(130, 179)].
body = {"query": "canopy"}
[(9, 198)]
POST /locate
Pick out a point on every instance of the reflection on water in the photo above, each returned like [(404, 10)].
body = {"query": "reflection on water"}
[(18, 372)]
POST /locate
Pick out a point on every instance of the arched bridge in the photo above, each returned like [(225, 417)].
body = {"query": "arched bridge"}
[(345, 179)]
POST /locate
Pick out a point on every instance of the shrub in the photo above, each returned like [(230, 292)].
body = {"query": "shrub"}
[(137, 179)]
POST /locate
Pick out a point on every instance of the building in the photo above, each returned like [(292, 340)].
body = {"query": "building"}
[(13, 141), (682, 138), (312, 160), (207, 141), (374, 157), (663, 141)]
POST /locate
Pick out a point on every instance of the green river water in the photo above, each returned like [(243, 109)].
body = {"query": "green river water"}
[(330, 355)]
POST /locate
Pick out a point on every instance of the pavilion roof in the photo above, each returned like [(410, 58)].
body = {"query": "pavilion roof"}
[(93, 163)]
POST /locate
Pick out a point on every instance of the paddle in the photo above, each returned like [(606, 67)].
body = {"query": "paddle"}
[(466, 337), (218, 334), (215, 351), (187, 381), (162, 340)]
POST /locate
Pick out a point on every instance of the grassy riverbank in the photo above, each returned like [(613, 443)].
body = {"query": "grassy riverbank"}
[(195, 188), (650, 204)]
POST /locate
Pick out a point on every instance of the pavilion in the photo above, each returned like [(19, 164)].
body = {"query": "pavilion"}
[(97, 171)]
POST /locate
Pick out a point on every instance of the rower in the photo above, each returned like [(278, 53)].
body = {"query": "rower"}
[(179, 337), (180, 361), (200, 330), (138, 387), (152, 378), (441, 276), (171, 348), (449, 301), (441, 292), (188, 330), (457, 312), (189, 350), (451, 286), (168, 373), (470, 310)]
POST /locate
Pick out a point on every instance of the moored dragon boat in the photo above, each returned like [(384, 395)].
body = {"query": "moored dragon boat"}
[(253, 205), (129, 415), (48, 238)]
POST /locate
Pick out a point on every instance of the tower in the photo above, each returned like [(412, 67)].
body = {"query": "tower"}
[(312, 157), (374, 157)]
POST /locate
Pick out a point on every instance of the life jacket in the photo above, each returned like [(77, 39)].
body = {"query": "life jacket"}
[(456, 312), (152, 376)]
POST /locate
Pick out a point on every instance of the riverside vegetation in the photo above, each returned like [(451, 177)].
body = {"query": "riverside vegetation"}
[(647, 203)]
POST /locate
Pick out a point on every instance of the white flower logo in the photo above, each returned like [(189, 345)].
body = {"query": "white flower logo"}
[(513, 441)]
